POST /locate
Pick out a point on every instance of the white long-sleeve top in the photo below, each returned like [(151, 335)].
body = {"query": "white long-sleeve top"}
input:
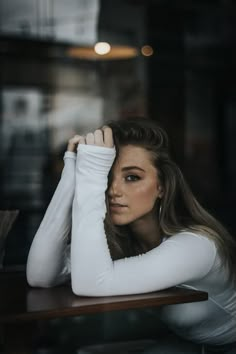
[(185, 259)]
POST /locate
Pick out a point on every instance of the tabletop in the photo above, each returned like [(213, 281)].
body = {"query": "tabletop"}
[(21, 303)]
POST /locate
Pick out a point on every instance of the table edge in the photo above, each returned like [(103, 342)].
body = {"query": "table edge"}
[(102, 307)]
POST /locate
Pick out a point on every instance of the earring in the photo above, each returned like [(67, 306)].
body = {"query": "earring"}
[(160, 209)]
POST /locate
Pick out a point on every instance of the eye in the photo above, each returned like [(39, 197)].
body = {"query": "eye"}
[(132, 178)]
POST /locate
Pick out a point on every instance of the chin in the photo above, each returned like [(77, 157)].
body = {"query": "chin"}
[(119, 222)]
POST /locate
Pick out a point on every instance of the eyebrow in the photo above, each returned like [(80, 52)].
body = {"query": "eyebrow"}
[(127, 168)]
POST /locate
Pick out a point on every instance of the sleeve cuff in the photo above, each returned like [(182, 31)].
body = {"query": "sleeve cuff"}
[(95, 159), (70, 155), (96, 149)]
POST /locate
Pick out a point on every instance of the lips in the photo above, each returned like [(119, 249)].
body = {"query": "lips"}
[(117, 206)]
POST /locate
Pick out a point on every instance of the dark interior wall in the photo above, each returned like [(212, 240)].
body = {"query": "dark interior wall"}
[(166, 73), (192, 90)]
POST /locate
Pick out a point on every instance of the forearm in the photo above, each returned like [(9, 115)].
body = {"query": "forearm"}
[(47, 259), (90, 255)]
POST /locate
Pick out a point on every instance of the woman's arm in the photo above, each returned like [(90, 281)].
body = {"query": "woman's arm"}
[(182, 258), (48, 260)]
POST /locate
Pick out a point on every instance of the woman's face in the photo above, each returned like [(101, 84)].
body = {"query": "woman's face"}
[(134, 186)]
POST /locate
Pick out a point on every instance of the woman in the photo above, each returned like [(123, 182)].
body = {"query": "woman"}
[(155, 235)]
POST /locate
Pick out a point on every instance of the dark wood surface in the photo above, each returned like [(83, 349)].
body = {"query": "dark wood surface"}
[(21, 303)]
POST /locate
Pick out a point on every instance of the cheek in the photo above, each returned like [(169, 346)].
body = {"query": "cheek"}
[(147, 194)]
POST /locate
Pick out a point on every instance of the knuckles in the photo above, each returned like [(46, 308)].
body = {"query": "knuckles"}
[(74, 139), (100, 137)]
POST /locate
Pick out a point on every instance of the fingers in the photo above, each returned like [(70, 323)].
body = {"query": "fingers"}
[(108, 136), (101, 137), (89, 139), (95, 138), (82, 140), (74, 141), (98, 137)]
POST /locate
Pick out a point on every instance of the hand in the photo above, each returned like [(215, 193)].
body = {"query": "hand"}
[(73, 142), (101, 137)]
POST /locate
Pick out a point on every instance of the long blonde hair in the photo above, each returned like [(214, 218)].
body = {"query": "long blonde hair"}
[(179, 208)]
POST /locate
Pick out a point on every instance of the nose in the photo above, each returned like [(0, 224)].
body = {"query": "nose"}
[(114, 190)]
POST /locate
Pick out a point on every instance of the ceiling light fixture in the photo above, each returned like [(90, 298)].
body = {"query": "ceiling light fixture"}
[(102, 48), (103, 52)]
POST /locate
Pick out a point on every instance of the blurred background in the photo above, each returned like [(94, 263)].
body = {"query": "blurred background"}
[(172, 61)]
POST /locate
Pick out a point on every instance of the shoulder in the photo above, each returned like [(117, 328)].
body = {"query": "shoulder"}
[(189, 253), (190, 236), (192, 242)]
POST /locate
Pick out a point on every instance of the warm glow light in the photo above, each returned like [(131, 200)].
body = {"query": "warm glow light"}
[(102, 48), (116, 53), (147, 50)]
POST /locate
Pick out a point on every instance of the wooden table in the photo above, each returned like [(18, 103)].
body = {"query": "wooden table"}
[(21, 306)]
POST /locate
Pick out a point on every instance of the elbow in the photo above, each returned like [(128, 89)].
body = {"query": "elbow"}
[(84, 291), (37, 280), (85, 287), (31, 277), (79, 288), (34, 282), (38, 283)]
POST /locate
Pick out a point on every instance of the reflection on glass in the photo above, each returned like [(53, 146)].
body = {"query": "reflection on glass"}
[(35, 128), (74, 21)]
